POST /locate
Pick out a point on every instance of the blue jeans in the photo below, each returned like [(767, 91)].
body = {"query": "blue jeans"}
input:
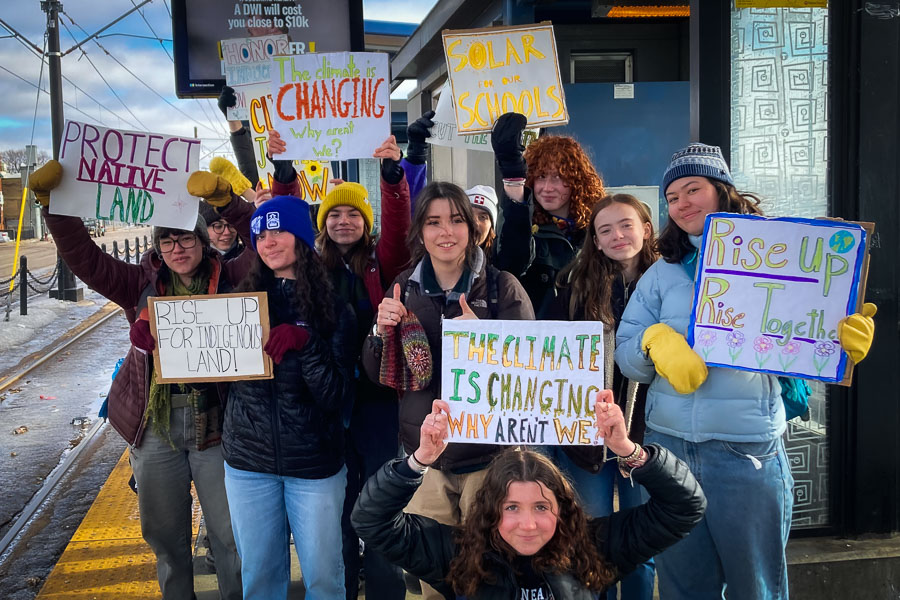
[(261, 505), (595, 491), (739, 544)]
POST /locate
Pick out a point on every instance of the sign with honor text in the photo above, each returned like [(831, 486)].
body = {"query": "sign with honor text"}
[(769, 293), (522, 382)]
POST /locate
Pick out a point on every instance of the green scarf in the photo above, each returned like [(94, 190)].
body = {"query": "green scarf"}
[(159, 407)]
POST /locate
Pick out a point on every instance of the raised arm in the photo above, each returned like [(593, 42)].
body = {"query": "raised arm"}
[(391, 250)]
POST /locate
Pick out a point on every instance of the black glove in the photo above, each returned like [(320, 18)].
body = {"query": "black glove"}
[(391, 171), (227, 100), (506, 139), (416, 133), (284, 171)]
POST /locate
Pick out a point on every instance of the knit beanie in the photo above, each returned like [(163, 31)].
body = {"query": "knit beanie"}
[(406, 356), (347, 194), (199, 230), (285, 213), (697, 159), (484, 196), (209, 213)]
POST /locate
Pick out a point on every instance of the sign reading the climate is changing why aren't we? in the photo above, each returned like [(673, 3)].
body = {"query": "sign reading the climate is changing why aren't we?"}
[(333, 106), (127, 176), (770, 292), (522, 382)]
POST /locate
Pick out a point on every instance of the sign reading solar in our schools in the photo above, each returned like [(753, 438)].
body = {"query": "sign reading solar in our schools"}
[(127, 176), (522, 382), (494, 71), (770, 292), (210, 338), (331, 106)]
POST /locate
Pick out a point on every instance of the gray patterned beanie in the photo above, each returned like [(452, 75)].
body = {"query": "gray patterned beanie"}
[(697, 159)]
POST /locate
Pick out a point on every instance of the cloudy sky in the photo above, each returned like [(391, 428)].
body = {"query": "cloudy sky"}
[(142, 99)]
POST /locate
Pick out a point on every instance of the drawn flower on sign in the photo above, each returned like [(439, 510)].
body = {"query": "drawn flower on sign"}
[(735, 341), (824, 349), (762, 345), (789, 354), (823, 354), (706, 338)]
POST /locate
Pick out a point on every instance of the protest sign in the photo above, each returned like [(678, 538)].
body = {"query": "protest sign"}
[(210, 338), (444, 131), (493, 71), (769, 293), (522, 382), (128, 176), (331, 106), (246, 62)]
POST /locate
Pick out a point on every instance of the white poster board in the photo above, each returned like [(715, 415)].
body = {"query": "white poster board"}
[(331, 106), (246, 62), (494, 71), (769, 293), (126, 176), (210, 338), (522, 382)]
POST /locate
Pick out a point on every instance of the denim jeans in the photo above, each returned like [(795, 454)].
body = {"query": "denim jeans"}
[(163, 475), (739, 544), (262, 505), (595, 492)]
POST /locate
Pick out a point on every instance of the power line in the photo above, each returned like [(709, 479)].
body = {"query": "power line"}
[(38, 95), (140, 12)]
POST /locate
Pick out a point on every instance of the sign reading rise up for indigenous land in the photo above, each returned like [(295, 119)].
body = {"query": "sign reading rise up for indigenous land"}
[(127, 176), (498, 70), (522, 382), (246, 62), (210, 338), (770, 292), (331, 106)]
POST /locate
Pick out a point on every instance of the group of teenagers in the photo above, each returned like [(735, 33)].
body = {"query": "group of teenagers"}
[(347, 441)]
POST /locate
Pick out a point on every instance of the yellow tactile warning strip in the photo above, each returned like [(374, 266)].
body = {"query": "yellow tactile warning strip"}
[(107, 557)]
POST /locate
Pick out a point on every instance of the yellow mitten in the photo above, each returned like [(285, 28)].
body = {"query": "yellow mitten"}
[(674, 358), (45, 180), (855, 332), (224, 167), (211, 187)]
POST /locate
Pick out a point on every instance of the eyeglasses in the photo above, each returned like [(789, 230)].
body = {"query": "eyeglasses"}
[(187, 242), (220, 226)]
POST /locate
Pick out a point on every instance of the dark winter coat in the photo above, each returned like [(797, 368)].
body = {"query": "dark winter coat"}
[(424, 548)]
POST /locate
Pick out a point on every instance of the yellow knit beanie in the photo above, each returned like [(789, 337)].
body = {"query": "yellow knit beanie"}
[(347, 194)]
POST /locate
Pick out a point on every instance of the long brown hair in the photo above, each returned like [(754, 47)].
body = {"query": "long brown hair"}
[(569, 550), (565, 155), (357, 257), (591, 274), (673, 242), (459, 203)]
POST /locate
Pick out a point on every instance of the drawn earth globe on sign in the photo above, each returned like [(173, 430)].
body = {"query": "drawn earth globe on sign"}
[(842, 242)]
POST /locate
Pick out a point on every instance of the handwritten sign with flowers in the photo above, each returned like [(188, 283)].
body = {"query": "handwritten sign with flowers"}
[(769, 293)]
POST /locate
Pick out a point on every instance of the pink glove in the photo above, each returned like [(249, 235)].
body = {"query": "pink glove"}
[(140, 336), (285, 337)]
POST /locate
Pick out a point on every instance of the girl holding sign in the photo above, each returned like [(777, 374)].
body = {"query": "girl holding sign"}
[(284, 437), (726, 424), (450, 279), (550, 188), (617, 250), (526, 535)]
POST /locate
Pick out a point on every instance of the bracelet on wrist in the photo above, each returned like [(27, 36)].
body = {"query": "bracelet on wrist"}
[(514, 181), (416, 465), (633, 456)]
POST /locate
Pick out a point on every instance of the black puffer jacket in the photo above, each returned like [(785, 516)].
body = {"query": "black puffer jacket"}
[(627, 538), (291, 425)]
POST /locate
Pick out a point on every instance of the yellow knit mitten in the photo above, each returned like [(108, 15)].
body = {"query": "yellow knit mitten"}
[(855, 332), (211, 187), (45, 180), (674, 359), (224, 167)]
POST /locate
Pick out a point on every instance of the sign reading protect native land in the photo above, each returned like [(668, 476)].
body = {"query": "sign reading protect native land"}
[(210, 338), (246, 62), (494, 71), (331, 106), (126, 176), (522, 382), (770, 292)]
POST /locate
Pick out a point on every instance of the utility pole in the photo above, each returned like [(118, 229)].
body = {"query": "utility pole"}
[(66, 289)]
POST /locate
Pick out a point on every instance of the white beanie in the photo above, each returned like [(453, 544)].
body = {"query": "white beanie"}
[(484, 196)]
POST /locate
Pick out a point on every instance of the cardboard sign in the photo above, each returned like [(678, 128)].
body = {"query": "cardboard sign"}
[(499, 70), (770, 292), (331, 106), (127, 176), (522, 382), (246, 62), (210, 338), (444, 131)]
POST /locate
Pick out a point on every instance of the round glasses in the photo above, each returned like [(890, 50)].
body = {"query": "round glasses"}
[(220, 226), (187, 242)]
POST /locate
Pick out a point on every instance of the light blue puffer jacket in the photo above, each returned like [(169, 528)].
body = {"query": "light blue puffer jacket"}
[(731, 405)]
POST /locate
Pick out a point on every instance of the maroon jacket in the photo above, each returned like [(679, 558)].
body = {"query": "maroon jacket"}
[(129, 286)]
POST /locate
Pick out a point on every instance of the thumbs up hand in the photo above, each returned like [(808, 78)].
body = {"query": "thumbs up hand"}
[(467, 313), (390, 311)]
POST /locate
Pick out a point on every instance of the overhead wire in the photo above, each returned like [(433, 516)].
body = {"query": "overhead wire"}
[(38, 95)]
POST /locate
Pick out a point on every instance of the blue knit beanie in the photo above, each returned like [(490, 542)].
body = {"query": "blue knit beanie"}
[(697, 159), (286, 213)]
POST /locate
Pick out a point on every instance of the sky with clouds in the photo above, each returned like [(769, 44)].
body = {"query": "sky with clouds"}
[(142, 99)]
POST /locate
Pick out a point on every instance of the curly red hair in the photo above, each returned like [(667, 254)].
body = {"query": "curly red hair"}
[(561, 153)]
